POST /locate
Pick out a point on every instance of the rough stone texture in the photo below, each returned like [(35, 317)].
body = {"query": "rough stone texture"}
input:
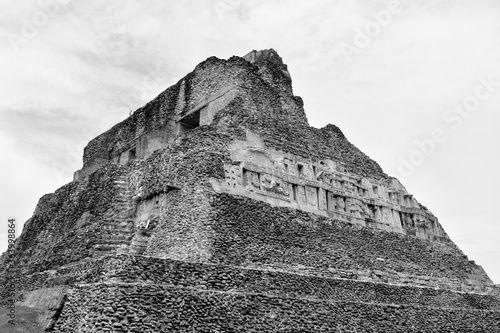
[(324, 187), (149, 270), (67, 223), (252, 232), (157, 308), (216, 208)]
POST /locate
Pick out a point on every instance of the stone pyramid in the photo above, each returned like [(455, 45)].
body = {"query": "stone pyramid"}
[(217, 208)]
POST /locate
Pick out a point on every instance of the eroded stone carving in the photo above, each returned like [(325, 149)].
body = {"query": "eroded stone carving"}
[(275, 185), (252, 181), (233, 175), (323, 204), (324, 187), (340, 203), (312, 196)]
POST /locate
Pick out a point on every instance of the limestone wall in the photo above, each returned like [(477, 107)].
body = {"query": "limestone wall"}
[(155, 308), (110, 211), (209, 86), (340, 285), (273, 115), (139, 269), (252, 232), (324, 187)]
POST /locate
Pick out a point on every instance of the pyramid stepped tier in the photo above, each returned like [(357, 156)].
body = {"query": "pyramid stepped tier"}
[(157, 308), (106, 294), (127, 269), (216, 208)]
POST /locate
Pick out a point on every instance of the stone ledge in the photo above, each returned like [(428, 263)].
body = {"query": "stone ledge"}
[(140, 308)]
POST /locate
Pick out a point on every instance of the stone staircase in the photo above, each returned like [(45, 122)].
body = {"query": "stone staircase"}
[(118, 225)]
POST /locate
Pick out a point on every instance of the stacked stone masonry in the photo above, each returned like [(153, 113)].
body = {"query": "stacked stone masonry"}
[(216, 208), (157, 308), (326, 188)]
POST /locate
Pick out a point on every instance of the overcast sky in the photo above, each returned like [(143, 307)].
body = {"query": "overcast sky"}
[(414, 85)]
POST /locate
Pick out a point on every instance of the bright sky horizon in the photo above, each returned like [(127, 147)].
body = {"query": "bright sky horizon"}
[(414, 85)]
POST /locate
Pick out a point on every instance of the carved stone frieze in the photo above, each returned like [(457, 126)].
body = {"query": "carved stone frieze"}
[(325, 188)]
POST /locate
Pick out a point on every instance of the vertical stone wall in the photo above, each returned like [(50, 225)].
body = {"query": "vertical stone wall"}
[(324, 187), (210, 79), (252, 233), (183, 230), (155, 308), (208, 89)]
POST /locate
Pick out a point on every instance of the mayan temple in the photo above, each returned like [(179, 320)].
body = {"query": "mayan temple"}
[(217, 208)]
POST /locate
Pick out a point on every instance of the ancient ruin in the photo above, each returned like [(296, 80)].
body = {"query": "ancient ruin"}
[(217, 208)]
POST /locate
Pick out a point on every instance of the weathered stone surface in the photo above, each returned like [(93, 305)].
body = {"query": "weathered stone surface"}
[(178, 309), (229, 213), (306, 184)]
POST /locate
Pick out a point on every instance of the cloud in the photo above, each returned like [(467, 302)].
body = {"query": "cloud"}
[(24, 181)]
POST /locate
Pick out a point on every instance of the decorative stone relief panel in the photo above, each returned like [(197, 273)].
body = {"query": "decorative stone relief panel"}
[(301, 194), (323, 204), (312, 196), (251, 180), (233, 175), (275, 186), (325, 188)]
